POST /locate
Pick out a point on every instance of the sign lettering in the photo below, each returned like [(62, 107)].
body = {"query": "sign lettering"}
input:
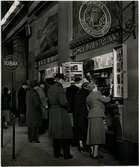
[(96, 44)]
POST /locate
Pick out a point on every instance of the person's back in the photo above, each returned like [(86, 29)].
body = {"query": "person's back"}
[(22, 104), (60, 129), (6, 99), (95, 102), (34, 114), (6, 107), (70, 94)]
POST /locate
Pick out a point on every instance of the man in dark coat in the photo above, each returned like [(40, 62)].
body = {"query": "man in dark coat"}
[(71, 92), (34, 113), (60, 128), (6, 107), (80, 117), (22, 104)]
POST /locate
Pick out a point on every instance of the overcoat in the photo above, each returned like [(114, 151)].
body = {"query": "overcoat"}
[(44, 102), (96, 130), (59, 120), (22, 101), (95, 102), (70, 94), (81, 113), (34, 112)]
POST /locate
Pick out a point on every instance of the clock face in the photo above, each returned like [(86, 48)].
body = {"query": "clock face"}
[(95, 18)]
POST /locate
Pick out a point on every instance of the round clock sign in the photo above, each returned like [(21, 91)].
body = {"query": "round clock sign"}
[(95, 18), (11, 62)]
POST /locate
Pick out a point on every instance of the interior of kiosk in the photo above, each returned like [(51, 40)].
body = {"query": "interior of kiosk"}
[(103, 73)]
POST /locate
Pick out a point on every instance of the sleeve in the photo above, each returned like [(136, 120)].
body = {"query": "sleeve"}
[(102, 98)]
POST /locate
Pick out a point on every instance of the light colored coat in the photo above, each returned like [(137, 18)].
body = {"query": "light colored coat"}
[(95, 102)]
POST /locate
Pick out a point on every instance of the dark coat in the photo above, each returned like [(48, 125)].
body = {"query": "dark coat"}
[(22, 101), (34, 112), (59, 121), (70, 94), (81, 113), (6, 101)]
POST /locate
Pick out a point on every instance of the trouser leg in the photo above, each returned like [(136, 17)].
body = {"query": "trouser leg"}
[(35, 133), (66, 147), (56, 147), (29, 133)]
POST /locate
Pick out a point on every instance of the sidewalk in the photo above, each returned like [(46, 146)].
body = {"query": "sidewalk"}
[(41, 154)]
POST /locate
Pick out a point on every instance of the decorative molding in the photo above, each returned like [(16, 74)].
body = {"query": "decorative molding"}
[(95, 18), (86, 39)]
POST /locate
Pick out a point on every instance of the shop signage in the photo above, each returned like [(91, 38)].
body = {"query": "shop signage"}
[(11, 62), (95, 18), (47, 60), (96, 44)]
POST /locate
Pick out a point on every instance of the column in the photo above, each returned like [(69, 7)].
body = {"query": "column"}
[(64, 30)]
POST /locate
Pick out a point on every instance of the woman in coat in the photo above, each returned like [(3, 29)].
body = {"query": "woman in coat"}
[(34, 113), (96, 132), (60, 128)]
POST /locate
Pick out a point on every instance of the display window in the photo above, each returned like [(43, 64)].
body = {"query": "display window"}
[(103, 72), (120, 72)]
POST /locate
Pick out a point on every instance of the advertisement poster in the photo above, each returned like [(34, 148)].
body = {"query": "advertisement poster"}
[(72, 70)]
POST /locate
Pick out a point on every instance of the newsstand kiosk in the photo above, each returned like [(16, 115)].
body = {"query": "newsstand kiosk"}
[(110, 74)]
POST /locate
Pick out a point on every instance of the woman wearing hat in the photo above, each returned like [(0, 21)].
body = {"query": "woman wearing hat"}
[(96, 132), (60, 129)]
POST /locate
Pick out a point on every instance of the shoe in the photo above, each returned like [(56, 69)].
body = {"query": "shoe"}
[(98, 157), (35, 141), (30, 141), (91, 154), (81, 149), (58, 156), (61, 155), (68, 157)]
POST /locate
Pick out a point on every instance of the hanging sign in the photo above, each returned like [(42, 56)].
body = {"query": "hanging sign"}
[(95, 18), (10, 62)]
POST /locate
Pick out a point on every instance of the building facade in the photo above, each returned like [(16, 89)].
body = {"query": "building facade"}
[(43, 35)]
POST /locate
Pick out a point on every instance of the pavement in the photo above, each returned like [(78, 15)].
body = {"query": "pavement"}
[(41, 154)]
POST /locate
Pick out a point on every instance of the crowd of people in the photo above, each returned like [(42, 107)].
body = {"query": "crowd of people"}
[(74, 116)]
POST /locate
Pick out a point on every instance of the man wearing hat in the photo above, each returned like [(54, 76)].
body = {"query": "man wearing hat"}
[(60, 129), (34, 113)]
